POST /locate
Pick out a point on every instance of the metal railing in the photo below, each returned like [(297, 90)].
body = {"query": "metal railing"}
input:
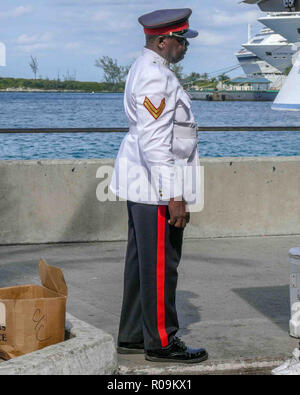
[(124, 130)]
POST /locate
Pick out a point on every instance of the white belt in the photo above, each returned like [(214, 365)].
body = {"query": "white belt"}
[(133, 129), (185, 130)]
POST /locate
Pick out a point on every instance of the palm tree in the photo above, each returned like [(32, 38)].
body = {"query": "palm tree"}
[(34, 66)]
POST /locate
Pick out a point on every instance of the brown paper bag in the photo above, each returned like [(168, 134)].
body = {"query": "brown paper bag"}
[(32, 316)]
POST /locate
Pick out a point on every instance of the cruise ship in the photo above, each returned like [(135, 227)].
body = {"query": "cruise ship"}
[(2, 54), (275, 44), (287, 24), (253, 66), (259, 60), (276, 5), (272, 48), (283, 17)]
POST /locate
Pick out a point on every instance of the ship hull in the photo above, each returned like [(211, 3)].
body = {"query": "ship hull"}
[(285, 25), (234, 95)]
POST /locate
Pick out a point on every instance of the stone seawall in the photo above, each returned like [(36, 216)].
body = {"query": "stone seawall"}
[(49, 201)]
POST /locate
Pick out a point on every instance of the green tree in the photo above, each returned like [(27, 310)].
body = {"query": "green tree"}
[(178, 70), (69, 76), (192, 78), (223, 77), (113, 73), (287, 70), (34, 65)]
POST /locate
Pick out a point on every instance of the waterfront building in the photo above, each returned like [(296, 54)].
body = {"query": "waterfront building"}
[(245, 84)]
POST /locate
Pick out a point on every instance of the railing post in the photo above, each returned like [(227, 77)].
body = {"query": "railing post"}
[(294, 260)]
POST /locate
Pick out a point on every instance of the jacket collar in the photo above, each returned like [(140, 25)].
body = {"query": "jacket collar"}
[(155, 56)]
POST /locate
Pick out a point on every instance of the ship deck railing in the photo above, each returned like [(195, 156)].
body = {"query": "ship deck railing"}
[(221, 128)]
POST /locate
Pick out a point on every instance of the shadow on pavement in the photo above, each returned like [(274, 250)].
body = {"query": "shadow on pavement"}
[(188, 313), (231, 261), (272, 302)]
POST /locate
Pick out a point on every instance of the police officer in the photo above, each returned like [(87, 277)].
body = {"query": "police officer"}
[(151, 173)]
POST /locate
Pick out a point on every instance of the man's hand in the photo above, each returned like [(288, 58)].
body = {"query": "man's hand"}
[(178, 215)]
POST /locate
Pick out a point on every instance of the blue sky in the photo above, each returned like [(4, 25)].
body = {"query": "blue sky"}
[(68, 35)]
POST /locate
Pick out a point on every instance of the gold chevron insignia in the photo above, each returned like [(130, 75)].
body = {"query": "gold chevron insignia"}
[(155, 112)]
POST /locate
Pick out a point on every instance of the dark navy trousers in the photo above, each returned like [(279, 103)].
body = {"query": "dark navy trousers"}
[(150, 277)]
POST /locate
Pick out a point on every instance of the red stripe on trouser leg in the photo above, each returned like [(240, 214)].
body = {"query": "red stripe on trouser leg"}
[(160, 276)]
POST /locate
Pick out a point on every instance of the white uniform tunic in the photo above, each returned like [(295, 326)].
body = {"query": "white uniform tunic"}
[(158, 158)]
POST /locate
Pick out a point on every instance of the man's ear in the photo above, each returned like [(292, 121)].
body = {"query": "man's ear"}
[(161, 42)]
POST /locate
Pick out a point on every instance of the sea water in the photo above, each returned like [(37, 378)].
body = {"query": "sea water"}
[(100, 110)]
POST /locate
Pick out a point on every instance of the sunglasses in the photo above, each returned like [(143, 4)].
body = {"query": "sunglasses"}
[(182, 40)]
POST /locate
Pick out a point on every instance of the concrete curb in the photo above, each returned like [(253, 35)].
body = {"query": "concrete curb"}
[(89, 351), (234, 367)]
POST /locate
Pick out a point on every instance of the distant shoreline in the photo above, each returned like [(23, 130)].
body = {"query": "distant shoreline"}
[(51, 91), (46, 85), (16, 90)]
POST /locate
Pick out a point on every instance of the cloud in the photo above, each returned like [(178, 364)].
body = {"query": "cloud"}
[(102, 16), (16, 12), (36, 47), (108, 21), (27, 43), (208, 38), (131, 56), (72, 45), (24, 39), (229, 19), (92, 3), (86, 29)]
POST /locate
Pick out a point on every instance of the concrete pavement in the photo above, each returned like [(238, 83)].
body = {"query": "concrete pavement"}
[(233, 294)]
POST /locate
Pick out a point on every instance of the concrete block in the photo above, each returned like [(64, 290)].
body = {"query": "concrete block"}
[(55, 201), (89, 351)]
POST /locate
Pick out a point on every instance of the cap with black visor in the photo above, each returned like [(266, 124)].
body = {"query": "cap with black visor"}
[(168, 22)]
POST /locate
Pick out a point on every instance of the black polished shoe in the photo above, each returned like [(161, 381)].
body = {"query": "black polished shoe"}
[(130, 348), (177, 352)]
